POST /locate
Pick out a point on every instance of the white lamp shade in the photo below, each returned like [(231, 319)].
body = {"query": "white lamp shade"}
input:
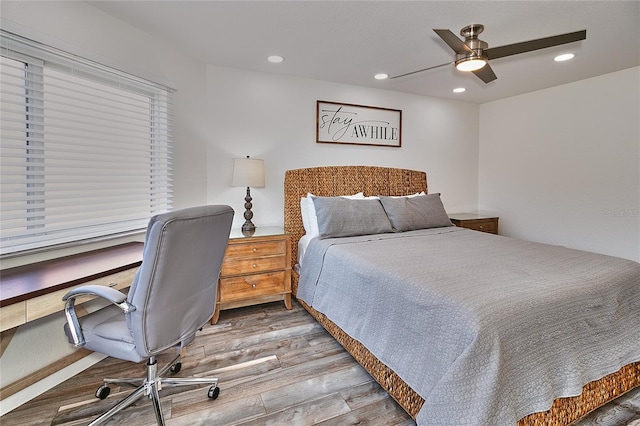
[(248, 172)]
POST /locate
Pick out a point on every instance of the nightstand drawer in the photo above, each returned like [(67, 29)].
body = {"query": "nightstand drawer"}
[(482, 225), (249, 286), (257, 249), (233, 266)]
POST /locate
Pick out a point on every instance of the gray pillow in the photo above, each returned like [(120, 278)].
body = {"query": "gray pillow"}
[(421, 212), (342, 217)]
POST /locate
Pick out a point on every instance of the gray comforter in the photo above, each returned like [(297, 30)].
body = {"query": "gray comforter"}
[(487, 329)]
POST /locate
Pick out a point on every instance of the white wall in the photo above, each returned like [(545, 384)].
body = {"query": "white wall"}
[(273, 117), (562, 165)]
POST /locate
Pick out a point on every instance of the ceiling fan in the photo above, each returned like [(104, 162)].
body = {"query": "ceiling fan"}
[(473, 54)]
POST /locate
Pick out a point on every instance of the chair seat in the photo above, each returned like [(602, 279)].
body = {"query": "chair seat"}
[(106, 331)]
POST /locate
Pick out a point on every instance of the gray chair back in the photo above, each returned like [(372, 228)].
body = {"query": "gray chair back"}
[(175, 288)]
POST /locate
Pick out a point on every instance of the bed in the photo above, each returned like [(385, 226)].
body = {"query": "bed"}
[(371, 180)]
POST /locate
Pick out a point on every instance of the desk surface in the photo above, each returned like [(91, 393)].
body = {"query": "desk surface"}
[(29, 281)]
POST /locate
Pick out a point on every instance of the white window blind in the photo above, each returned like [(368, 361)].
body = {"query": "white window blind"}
[(85, 150)]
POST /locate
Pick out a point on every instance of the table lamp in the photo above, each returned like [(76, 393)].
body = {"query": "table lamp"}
[(248, 172)]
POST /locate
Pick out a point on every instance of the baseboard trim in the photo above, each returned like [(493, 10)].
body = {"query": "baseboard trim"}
[(28, 393), (44, 372)]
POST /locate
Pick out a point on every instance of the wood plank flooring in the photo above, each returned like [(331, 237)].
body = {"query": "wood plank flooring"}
[(275, 367)]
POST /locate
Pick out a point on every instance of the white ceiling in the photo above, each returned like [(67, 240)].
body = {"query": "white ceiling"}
[(350, 41)]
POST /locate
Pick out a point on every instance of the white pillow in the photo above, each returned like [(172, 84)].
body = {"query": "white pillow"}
[(308, 212), (306, 207), (377, 197), (417, 194)]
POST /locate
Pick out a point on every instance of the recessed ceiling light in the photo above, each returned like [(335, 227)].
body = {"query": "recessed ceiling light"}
[(564, 57), (459, 90), (275, 59), (381, 76)]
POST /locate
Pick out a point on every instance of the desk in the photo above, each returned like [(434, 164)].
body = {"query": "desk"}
[(33, 291)]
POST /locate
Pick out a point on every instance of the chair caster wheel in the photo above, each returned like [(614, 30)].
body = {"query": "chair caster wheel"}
[(103, 392), (175, 368), (214, 391)]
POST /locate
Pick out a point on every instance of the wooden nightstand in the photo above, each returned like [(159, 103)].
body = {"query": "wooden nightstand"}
[(477, 222), (255, 269)]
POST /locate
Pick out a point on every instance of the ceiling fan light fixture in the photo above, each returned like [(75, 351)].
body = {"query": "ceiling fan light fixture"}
[(470, 64), (473, 54)]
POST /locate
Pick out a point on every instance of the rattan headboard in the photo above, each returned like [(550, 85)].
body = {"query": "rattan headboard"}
[(342, 180)]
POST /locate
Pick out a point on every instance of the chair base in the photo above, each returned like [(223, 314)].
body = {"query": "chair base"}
[(150, 386)]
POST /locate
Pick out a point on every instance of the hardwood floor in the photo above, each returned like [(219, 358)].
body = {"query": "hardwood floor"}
[(275, 367)]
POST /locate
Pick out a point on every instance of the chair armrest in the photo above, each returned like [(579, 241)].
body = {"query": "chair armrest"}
[(112, 295)]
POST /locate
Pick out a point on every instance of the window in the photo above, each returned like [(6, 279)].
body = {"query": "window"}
[(85, 150)]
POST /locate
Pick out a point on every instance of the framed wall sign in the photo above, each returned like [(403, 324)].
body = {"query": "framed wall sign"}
[(358, 124)]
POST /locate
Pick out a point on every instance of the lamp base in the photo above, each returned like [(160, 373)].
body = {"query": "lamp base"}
[(248, 228)]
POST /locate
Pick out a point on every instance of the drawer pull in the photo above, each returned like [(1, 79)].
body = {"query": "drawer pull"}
[(253, 285), (254, 266), (255, 249), (113, 284)]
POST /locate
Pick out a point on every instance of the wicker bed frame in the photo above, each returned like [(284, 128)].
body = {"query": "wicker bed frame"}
[(342, 180)]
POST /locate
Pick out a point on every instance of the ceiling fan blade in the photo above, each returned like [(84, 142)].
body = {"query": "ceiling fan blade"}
[(485, 74), (528, 46), (423, 69), (453, 41)]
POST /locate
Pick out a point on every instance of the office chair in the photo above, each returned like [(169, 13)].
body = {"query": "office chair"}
[(172, 296)]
